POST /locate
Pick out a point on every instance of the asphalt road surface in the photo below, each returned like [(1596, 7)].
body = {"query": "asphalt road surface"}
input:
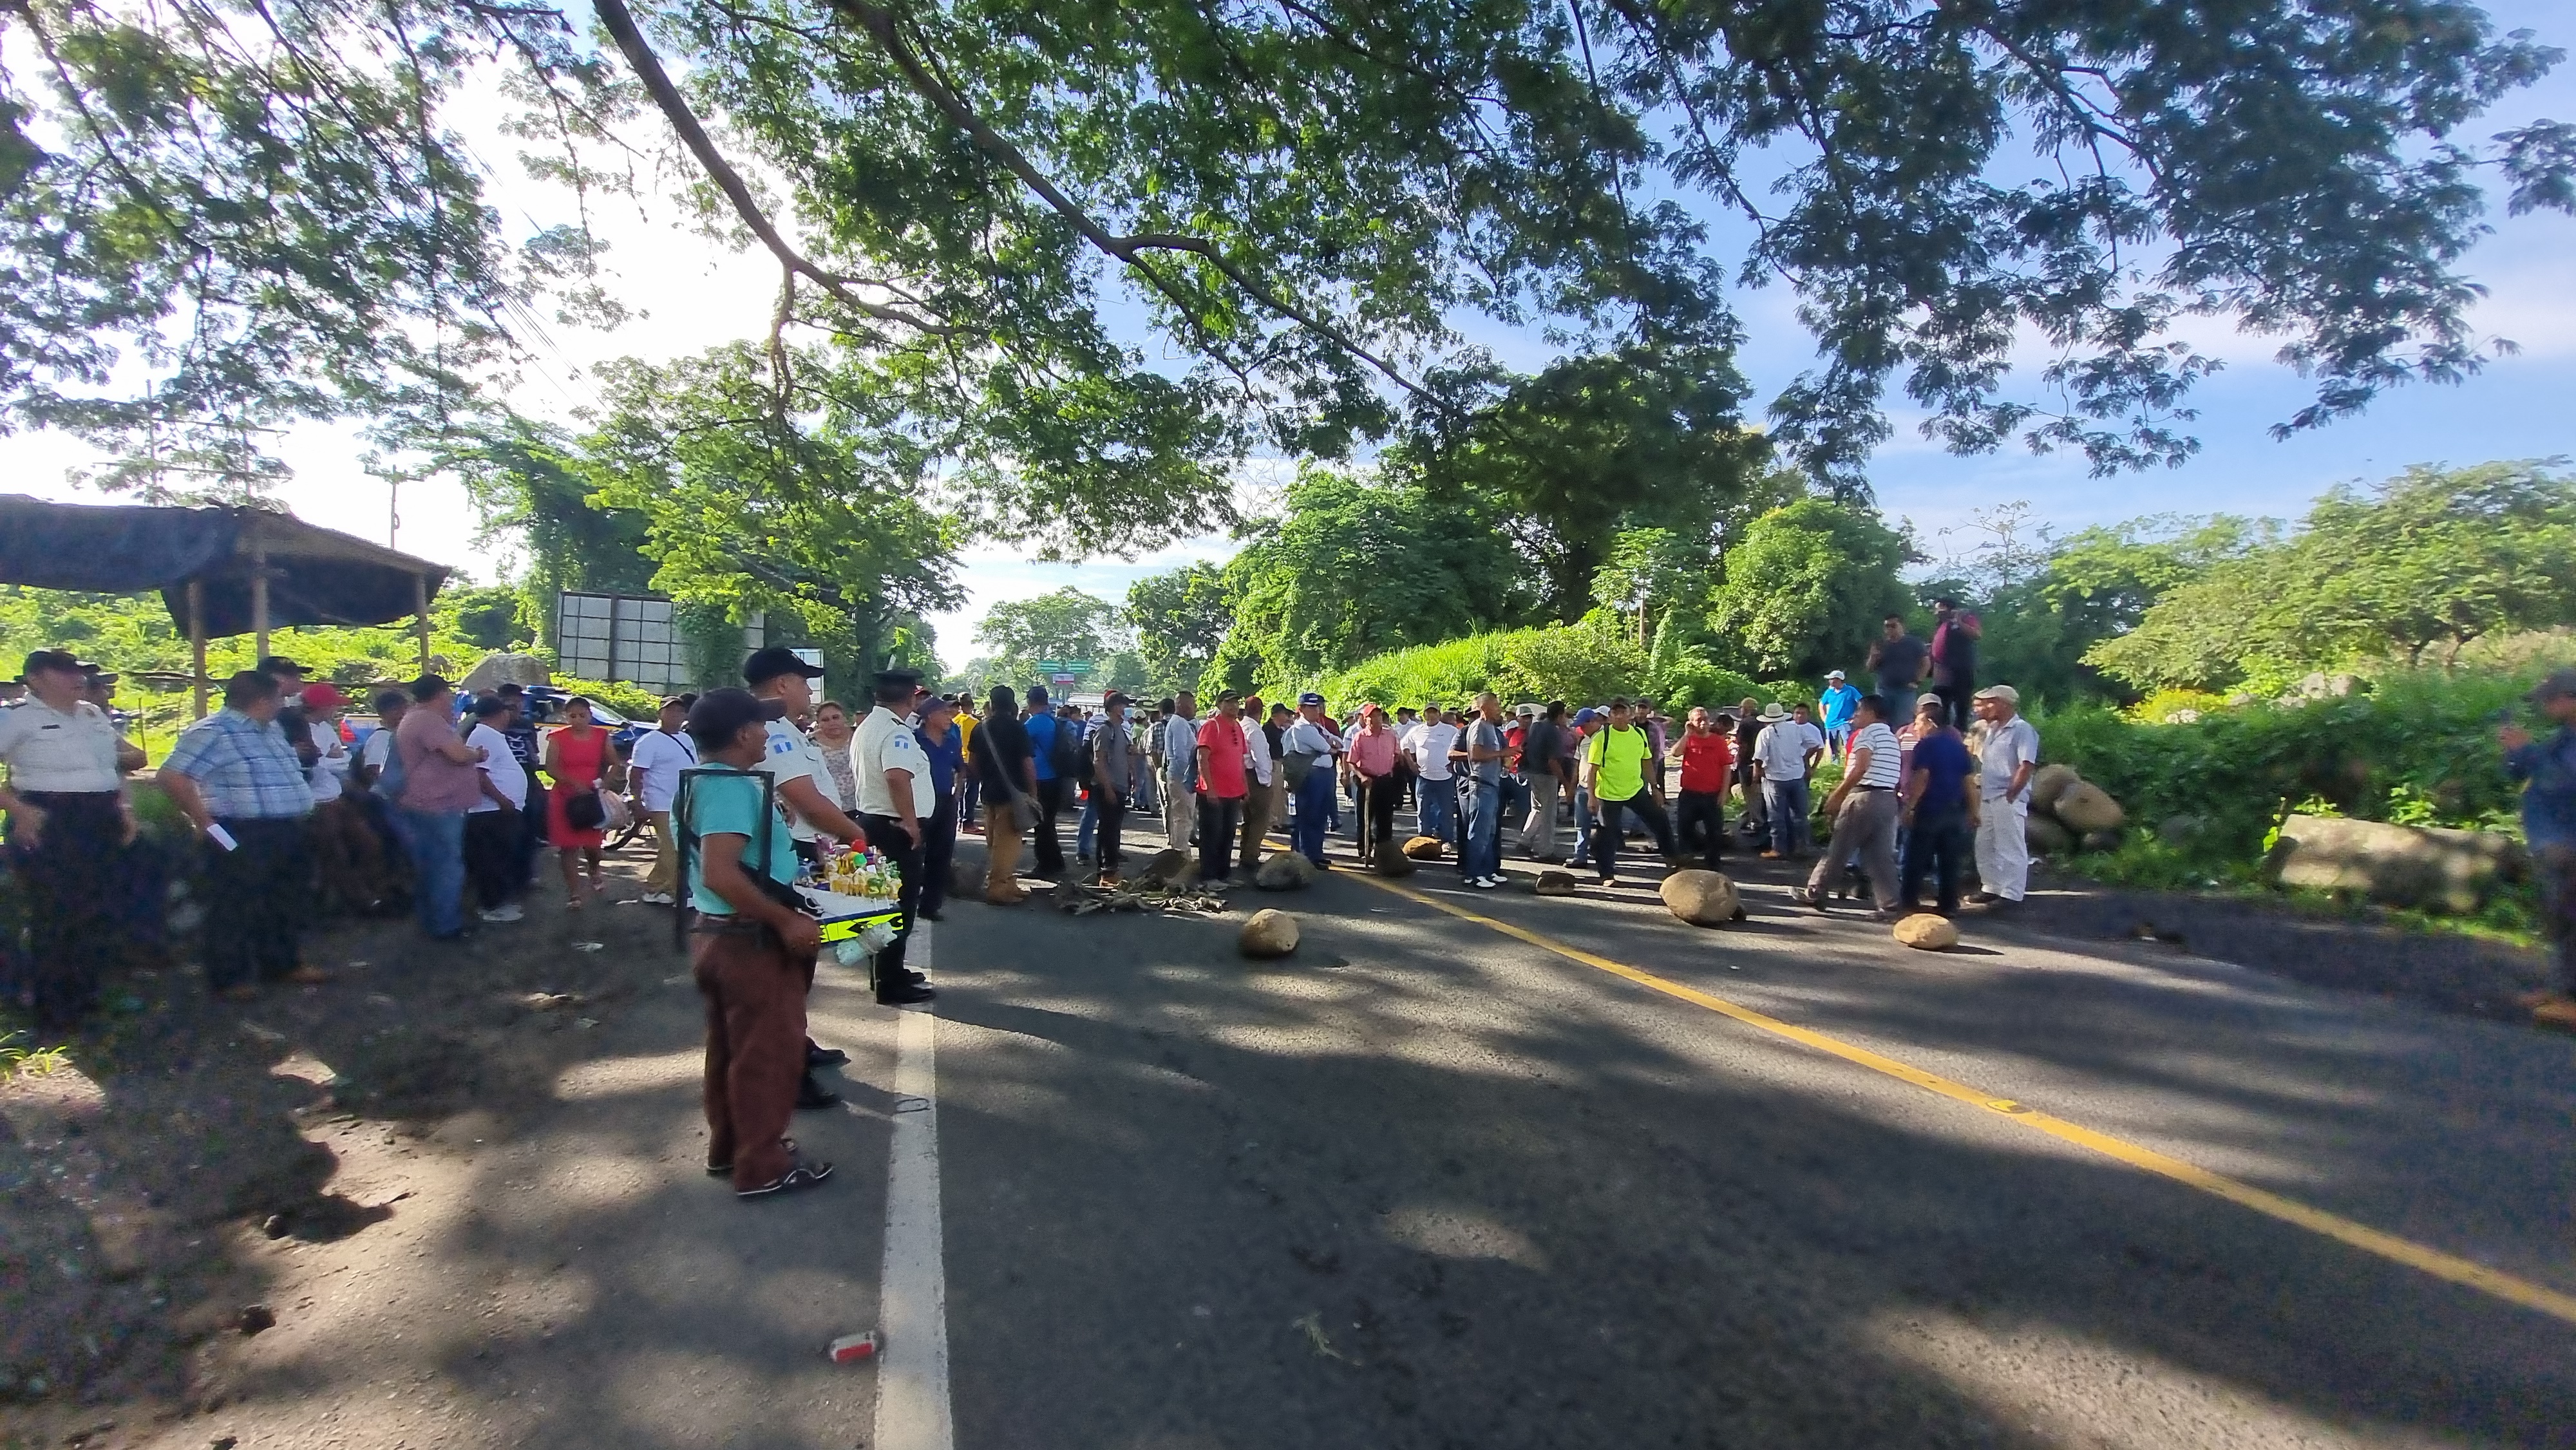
[(1432, 1184)]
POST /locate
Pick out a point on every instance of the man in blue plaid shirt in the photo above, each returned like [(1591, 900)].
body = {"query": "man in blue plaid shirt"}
[(235, 777)]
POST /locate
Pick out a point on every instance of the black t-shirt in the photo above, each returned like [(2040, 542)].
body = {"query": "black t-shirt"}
[(1541, 744), (1276, 733), (1001, 751), (1901, 661), (1747, 729)]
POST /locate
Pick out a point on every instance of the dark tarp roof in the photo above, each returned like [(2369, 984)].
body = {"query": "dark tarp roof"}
[(315, 575)]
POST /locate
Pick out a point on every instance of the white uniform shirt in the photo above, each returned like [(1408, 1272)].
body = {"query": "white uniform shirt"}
[(882, 744), (793, 757), (2006, 748), (1782, 749), (378, 749), (661, 757), (500, 767), (1430, 746), (1886, 756), (51, 750)]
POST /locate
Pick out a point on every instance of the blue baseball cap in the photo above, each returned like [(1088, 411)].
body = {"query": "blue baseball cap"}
[(1586, 715), (1310, 698)]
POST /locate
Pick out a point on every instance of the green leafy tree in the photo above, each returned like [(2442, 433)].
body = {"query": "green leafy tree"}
[(1180, 620), (267, 206), (1065, 625), (814, 521), (1621, 462), (2425, 563), (1354, 567), (489, 615), (1806, 588)]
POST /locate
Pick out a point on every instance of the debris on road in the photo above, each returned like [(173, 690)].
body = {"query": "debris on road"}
[(1313, 1324), (550, 1001), (588, 946), (1554, 883), (1078, 899), (855, 1348), (1285, 871), (254, 1318)]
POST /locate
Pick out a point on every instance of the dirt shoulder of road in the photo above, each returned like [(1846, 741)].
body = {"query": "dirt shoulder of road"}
[(178, 1193)]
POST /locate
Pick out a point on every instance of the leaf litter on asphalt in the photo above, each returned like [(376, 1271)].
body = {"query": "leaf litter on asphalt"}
[(1313, 1324)]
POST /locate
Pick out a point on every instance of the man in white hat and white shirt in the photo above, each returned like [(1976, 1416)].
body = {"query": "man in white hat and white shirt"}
[(2007, 752), (1784, 755)]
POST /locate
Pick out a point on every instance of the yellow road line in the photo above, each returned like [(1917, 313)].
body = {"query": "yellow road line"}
[(2362, 1236)]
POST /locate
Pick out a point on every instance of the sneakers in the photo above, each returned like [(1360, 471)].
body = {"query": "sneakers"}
[(506, 912), (1485, 883), (802, 1175), (659, 898)]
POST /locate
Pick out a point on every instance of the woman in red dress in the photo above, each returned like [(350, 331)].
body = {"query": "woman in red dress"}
[(576, 757)]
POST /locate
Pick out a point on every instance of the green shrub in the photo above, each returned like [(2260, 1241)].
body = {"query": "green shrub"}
[(1577, 663), (2417, 747), (632, 701), (1694, 680)]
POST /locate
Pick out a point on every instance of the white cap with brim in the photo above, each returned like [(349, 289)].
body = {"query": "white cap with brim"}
[(2005, 693)]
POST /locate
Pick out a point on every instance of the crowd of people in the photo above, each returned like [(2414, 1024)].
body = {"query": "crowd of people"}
[(444, 804)]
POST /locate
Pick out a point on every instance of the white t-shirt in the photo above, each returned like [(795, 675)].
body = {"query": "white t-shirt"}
[(378, 750), (46, 749), (660, 758), (884, 743), (1886, 763), (793, 757), (1429, 745), (330, 768), (500, 767), (2006, 748), (1782, 749)]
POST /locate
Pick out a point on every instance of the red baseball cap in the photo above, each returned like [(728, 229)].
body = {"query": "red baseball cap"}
[(324, 696)]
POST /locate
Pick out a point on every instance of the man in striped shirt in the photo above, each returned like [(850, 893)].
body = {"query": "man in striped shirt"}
[(1864, 810)]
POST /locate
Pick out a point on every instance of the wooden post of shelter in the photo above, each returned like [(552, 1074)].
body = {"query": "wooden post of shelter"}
[(420, 612), (197, 641), (258, 600)]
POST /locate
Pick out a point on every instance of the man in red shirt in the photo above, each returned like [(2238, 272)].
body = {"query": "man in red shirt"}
[(1708, 761), (1222, 785)]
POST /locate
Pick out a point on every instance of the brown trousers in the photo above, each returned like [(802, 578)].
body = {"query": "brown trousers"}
[(348, 852), (1260, 813), (1001, 849), (755, 1049), (665, 875)]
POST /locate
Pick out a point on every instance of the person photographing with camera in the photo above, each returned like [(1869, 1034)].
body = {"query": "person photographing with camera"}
[(751, 949)]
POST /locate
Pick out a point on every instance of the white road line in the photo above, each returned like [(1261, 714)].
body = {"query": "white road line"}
[(912, 1372)]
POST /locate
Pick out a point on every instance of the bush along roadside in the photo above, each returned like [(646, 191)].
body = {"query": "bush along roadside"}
[(2206, 795)]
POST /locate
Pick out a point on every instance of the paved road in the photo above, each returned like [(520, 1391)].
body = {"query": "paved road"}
[(1428, 1184), (1432, 1185)]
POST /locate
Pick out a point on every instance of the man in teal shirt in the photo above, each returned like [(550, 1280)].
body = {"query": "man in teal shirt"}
[(752, 954), (1838, 702)]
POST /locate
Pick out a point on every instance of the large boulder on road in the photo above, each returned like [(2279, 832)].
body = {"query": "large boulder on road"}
[(1425, 848), (1393, 863), (1269, 934), (2085, 808), (1554, 883), (2046, 837), (1702, 898), (1285, 871), (2421, 867), (1927, 933), (2049, 782), (1171, 866)]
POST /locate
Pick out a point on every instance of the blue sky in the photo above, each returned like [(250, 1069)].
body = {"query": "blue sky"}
[(696, 294)]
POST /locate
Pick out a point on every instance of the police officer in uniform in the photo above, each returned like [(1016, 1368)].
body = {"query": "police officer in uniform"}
[(896, 801), (69, 822)]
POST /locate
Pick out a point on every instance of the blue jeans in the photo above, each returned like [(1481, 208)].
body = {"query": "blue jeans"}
[(1786, 802), (1310, 808), (438, 870), (1582, 826), (1481, 853), (1837, 740), (1439, 809), (1083, 833)]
